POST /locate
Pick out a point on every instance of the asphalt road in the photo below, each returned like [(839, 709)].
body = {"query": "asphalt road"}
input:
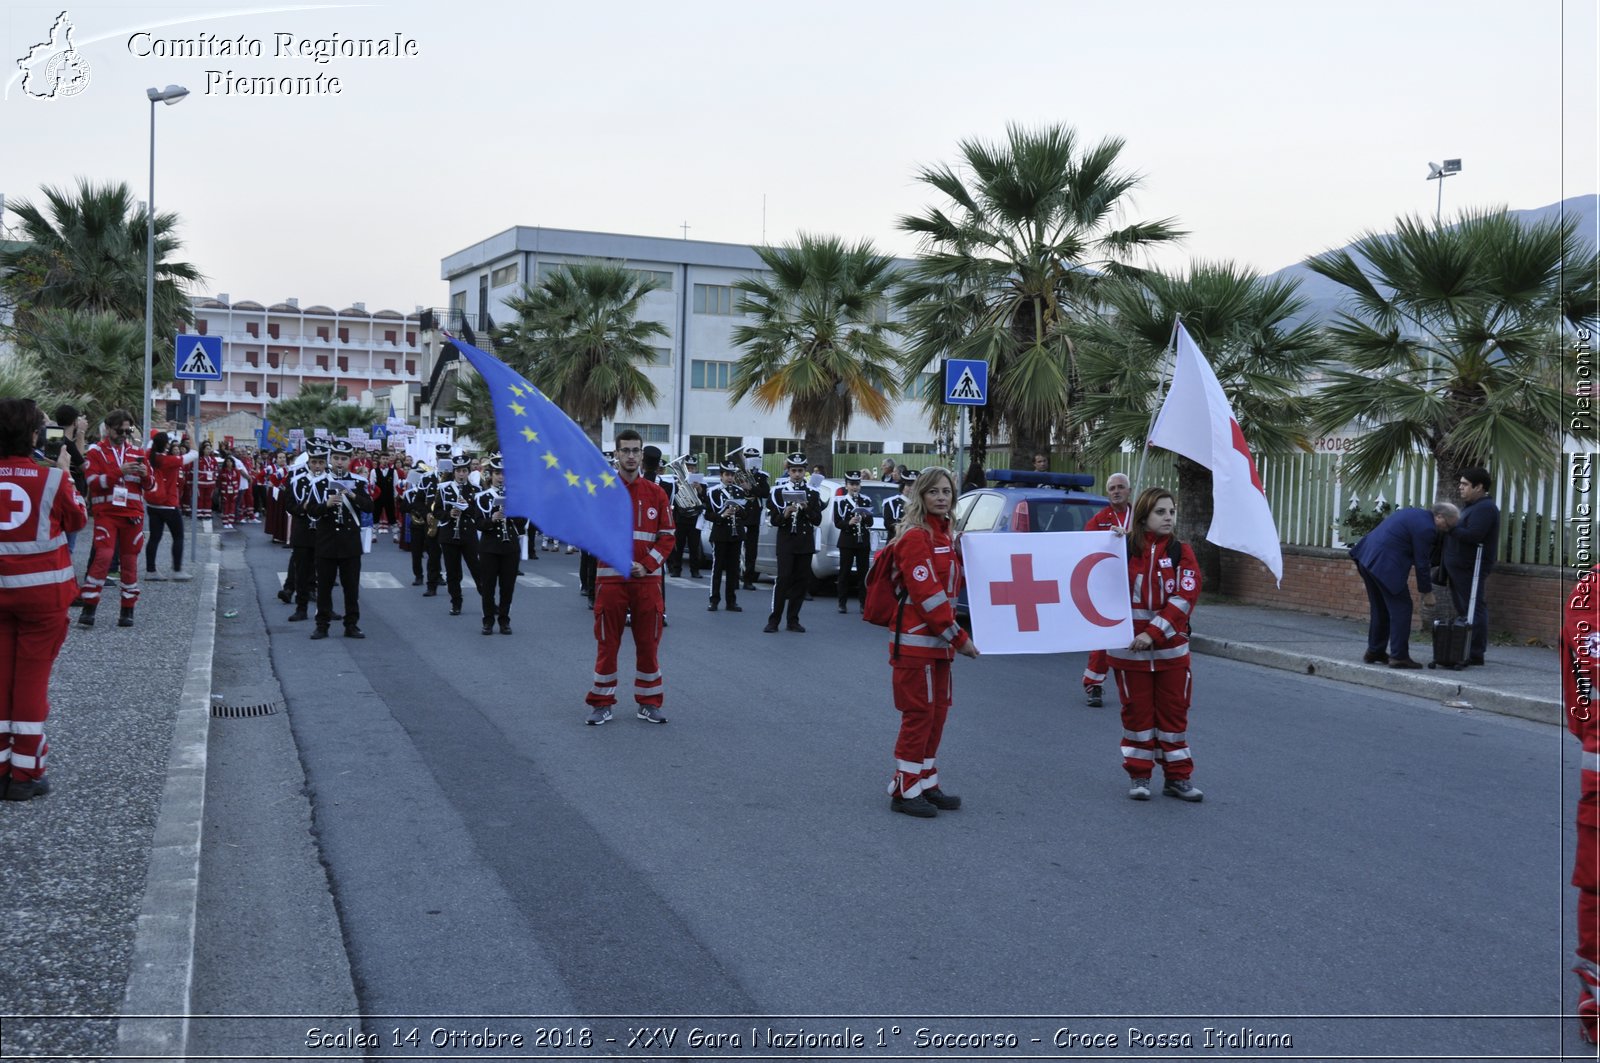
[(1369, 874)]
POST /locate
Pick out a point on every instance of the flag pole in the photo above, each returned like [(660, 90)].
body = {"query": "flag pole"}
[(1144, 449)]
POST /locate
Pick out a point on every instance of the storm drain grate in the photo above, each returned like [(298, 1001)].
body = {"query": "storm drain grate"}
[(238, 712)]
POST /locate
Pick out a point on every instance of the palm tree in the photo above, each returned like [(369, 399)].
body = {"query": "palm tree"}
[(1241, 322), (1452, 337), (821, 338), (92, 359), (86, 251), (21, 379), (473, 408), (319, 406), (1031, 229), (577, 337)]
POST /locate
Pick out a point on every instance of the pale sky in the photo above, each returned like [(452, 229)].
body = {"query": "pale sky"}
[(1269, 130)]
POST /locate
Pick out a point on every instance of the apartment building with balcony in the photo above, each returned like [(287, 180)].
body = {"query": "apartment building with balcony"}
[(272, 352)]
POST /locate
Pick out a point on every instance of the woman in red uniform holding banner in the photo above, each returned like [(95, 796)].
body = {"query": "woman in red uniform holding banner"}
[(926, 640), (1153, 672)]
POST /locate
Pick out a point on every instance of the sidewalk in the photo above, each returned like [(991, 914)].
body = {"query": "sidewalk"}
[(1517, 680)]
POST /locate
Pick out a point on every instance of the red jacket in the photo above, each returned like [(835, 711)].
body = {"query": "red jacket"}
[(167, 470), (927, 568), (653, 531), (37, 507), (1107, 520), (1164, 596), (102, 468), (207, 467)]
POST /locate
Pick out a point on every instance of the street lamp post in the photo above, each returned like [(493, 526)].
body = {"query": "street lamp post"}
[(1437, 172), (169, 96)]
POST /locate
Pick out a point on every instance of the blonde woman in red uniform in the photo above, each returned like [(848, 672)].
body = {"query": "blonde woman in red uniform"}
[(926, 640)]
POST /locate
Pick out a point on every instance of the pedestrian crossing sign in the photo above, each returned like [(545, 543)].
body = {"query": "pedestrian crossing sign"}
[(966, 382), (198, 357)]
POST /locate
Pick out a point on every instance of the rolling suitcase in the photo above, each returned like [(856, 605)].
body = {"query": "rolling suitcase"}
[(1451, 637)]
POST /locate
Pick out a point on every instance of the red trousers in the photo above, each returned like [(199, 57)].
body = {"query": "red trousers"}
[(1586, 876), (1094, 673), (29, 643), (922, 693), (1155, 719), (123, 536), (614, 601), (208, 493)]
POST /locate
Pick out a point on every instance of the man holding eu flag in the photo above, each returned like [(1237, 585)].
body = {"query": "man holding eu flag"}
[(636, 593)]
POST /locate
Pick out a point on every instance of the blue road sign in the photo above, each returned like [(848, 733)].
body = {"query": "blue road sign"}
[(966, 382), (198, 357)]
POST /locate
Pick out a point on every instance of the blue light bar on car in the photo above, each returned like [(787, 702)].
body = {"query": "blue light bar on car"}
[(1041, 479)]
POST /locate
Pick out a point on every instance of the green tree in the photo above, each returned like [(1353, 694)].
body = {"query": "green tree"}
[(319, 406), (1451, 339), (86, 251), (1030, 231), (21, 379), (577, 337), (821, 339), (1242, 323), (473, 409), (93, 359)]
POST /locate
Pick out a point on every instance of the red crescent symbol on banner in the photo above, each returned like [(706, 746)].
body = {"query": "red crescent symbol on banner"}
[(1080, 590)]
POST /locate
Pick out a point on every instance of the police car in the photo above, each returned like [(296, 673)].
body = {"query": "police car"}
[(1026, 502)]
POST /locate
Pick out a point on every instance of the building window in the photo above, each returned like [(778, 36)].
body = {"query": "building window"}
[(342, 392), (856, 446), (713, 449), (657, 356), (273, 357), (388, 365), (710, 376), (322, 361), (781, 446), (253, 328), (717, 299), (200, 326), (926, 386), (252, 358), (344, 335), (411, 338), (550, 269), (917, 448), (272, 389), (272, 329), (651, 433), (503, 276), (880, 312), (663, 278), (411, 367), (250, 388), (344, 365), (388, 336), (322, 333)]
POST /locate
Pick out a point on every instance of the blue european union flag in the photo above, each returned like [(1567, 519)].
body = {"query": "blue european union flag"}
[(555, 476)]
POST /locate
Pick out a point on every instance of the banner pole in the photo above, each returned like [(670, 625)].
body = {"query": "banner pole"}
[(1144, 449)]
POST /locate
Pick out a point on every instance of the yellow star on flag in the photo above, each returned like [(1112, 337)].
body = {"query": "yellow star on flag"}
[(529, 434), (550, 460), (573, 479), (610, 481), (517, 391), (590, 484), (522, 411)]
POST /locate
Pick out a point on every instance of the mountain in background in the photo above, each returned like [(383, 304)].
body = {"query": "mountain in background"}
[(1323, 295)]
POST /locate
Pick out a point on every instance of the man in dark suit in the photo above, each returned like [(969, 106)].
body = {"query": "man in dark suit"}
[(1384, 557), (1479, 526)]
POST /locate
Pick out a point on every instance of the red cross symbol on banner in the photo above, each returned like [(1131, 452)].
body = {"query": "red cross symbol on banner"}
[(1025, 592)]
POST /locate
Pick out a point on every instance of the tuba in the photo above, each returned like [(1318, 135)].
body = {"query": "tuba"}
[(684, 496), (741, 475)]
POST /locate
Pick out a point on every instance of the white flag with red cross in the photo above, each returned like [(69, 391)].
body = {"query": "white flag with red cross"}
[(1047, 592)]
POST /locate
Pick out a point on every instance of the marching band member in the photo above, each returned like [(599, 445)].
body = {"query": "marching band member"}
[(499, 548), (1113, 518), (424, 526), (760, 485), (894, 508), (1153, 672), (852, 515), (118, 477), (636, 593), (725, 506), (458, 534), (301, 584), (686, 520), (926, 639), (796, 510), (384, 477), (336, 501)]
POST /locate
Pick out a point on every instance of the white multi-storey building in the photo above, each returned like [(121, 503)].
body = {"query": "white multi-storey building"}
[(272, 352), (699, 308)]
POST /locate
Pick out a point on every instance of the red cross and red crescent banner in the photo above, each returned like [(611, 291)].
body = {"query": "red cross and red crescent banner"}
[(1047, 592)]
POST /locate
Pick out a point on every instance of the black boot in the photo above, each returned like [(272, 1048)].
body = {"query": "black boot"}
[(86, 618), (488, 626), (321, 632), (298, 614), (126, 619)]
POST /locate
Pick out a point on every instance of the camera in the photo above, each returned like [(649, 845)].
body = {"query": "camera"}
[(52, 437)]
